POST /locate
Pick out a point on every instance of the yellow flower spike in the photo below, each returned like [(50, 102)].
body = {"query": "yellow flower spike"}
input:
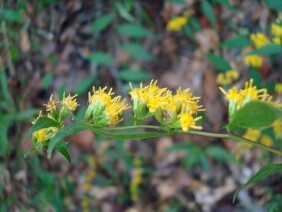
[(276, 30), (177, 23), (70, 102), (259, 39), (254, 60), (41, 135)]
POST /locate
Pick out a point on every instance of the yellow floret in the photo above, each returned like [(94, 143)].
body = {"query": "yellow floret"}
[(70, 102), (259, 39), (254, 60), (41, 135), (276, 30), (177, 23)]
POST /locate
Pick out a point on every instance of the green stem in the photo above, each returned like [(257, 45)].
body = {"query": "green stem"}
[(201, 133), (207, 134), (132, 127), (238, 138)]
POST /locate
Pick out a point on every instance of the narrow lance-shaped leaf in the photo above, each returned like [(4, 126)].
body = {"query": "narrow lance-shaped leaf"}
[(64, 132), (61, 147), (263, 173), (102, 22), (209, 13)]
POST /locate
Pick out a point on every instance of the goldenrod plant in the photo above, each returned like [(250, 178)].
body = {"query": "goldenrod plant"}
[(250, 108)]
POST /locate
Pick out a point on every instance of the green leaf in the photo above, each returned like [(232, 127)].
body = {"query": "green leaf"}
[(102, 22), (4, 134), (24, 115), (219, 62), (255, 114), (133, 30), (101, 58), (133, 75), (126, 136), (12, 16), (263, 173), (268, 49), (209, 13), (137, 51), (124, 12), (225, 3), (64, 132), (84, 84), (42, 122), (237, 42), (47, 80), (274, 4), (220, 154), (4, 87), (61, 147), (195, 24)]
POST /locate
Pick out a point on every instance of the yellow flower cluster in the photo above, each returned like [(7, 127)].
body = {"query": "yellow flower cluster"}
[(174, 111), (276, 31), (177, 23), (90, 176), (259, 39), (228, 77), (103, 109), (238, 98), (254, 60), (67, 104)]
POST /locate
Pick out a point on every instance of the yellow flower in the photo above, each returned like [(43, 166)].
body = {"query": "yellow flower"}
[(238, 98), (278, 88), (187, 121), (41, 135), (276, 30), (51, 105), (104, 109), (252, 134), (100, 96), (70, 102), (164, 106), (277, 40), (259, 39), (266, 140), (113, 111), (253, 60), (177, 23), (228, 77), (251, 93)]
